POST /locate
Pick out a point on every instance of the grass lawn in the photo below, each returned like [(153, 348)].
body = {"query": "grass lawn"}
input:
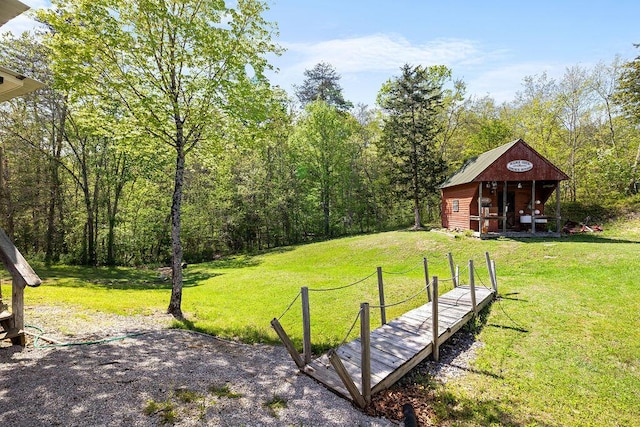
[(562, 346)]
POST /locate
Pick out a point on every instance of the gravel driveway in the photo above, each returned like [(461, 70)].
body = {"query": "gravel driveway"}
[(146, 379)]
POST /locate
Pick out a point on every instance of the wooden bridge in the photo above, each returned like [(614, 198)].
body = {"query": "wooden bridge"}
[(377, 359)]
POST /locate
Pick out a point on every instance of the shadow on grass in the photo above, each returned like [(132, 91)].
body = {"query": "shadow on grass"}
[(241, 261), (435, 403), (450, 408), (574, 238), (115, 277)]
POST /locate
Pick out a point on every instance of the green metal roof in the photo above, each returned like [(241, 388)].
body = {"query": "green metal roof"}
[(476, 165)]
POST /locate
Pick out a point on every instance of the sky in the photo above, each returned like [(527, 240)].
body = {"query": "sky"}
[(492, 45)]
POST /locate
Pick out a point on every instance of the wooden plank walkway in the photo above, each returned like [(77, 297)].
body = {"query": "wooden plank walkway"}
[(401, 344)]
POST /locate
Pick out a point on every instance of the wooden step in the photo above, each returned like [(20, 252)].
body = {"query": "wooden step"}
[(5, 315), (11, 333)]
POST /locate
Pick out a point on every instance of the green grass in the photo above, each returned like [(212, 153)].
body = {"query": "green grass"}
[(223, 391), (275, 404), (561, 348)]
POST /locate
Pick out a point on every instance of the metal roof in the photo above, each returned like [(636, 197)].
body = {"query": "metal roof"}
[(9, 9), (476, 165)]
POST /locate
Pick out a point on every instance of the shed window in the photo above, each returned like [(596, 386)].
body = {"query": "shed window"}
[(456, 205)]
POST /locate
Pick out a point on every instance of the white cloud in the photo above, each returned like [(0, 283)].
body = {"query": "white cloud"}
[(366, 62), (382, 53)]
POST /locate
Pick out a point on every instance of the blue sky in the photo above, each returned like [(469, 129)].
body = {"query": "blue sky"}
[(491, 45)]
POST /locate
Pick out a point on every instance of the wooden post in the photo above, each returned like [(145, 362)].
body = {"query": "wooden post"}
[(481, 220), (533, 207), (275, 324), (17, 308), (558, 217), (306, 325), (494, 277), (337, 364), (426, 278), (365, 358), (504, 207), (453, 270), (472, 285), (383, 309), (435, 348)]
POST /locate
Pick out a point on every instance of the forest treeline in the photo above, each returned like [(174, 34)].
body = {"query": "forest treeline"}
[(79, 185)]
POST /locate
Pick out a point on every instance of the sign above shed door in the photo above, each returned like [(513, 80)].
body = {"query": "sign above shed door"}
[(519, 165)]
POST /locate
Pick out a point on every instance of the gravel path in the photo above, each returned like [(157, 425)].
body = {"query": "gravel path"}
[(111, 384)]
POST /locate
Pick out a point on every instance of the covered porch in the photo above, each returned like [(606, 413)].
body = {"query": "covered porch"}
[(505, 191), (515, 208)]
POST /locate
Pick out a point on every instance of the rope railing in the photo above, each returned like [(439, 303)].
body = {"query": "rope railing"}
[(353, 325), (475, 273), (290, 305), (400, 273), (458, 273), (337, 288), (463, 294), (346, 337), (420, 292)]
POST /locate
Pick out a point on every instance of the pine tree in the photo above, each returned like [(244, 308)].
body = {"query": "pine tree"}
[(322, 84), (413, 103)]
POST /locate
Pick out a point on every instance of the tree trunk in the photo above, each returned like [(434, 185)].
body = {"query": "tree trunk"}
[(54, 186), (53, 201), (416, 187), (175, 302), (634, 172), (5, 192)]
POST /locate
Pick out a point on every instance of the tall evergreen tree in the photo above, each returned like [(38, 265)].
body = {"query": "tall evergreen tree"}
[(413, 103), (322, 83)]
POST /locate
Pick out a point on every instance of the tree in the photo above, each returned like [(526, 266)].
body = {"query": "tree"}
[(413, 104), (36, 122), (322, 84), (323, 141), (628, 96), (182, 70)]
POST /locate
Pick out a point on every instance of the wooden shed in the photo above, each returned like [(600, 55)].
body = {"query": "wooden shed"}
[(503, 191)]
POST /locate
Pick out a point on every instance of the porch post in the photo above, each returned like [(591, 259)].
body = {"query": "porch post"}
[(533, 207), (480, 209), (558, 207), (504, 207)]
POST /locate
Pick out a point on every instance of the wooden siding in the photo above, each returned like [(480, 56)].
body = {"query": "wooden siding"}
[(543, 170), (545, 175), (467, 205)]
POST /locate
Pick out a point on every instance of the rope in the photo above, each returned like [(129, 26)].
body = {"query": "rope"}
[(481, 281), (69, 344), (351, 328), (420, 292), (509, 317), (342, 287), (404, 272), (290, 305), (465, 293)]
